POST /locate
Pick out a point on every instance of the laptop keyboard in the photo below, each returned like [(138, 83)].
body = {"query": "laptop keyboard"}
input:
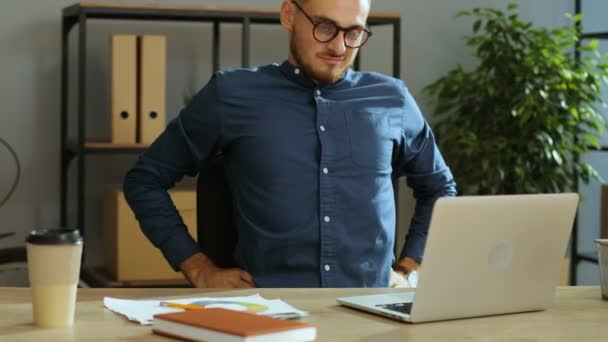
[(405, 308)]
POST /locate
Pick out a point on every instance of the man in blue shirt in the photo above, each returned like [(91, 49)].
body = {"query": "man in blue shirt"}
[(309, 148)]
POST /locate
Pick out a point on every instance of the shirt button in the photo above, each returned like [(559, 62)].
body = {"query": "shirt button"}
[(327, 219), (318, 92), (325, 170), (327, 268), (297, 71), (322, 128)]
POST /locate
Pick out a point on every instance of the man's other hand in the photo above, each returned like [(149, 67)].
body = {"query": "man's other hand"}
[(203, 273), (401, 270), (399, 280), (406, 265)]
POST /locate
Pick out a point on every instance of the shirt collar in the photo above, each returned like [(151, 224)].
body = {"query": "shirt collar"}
[(297, 75)]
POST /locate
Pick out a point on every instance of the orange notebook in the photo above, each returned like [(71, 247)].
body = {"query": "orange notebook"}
[(228, 325)]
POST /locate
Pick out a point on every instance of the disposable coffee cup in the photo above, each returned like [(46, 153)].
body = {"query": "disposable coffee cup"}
[(53, 262)]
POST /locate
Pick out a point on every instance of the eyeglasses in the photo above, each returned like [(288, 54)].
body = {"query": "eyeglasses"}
[(325, 31)]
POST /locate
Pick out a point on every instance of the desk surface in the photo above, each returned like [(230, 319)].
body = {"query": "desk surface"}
[(578, 314)]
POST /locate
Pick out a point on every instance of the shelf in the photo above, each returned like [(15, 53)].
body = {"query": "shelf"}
[(596, 35), (101, 147), (589, 257), (190, 12), (169, 7), (576, 255), (99, 277)]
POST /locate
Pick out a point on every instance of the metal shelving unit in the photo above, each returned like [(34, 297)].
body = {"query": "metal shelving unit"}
[(576, 256), (77, 15)]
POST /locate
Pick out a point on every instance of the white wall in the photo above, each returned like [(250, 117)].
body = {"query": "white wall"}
[(30, 68)]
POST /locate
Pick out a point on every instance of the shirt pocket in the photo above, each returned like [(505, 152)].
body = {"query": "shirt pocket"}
[(372, 136)]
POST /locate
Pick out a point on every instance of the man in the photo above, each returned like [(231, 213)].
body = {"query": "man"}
[(309, 150)]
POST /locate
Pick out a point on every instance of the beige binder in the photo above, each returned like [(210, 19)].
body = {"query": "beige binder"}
[(152, 83), (123, 88)]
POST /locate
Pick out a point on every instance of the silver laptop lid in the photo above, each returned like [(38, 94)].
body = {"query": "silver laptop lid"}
[(493, 254)]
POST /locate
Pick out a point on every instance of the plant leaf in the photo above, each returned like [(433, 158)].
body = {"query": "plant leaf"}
[(476, 26)]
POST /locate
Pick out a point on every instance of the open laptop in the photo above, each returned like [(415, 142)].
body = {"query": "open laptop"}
[(485, 255)]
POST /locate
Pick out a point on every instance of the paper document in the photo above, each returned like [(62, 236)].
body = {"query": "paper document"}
[(143, 311)]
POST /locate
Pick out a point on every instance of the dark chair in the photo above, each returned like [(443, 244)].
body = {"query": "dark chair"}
[(215, 225)]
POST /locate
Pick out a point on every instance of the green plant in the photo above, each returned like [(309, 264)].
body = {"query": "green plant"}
[(519, 122)]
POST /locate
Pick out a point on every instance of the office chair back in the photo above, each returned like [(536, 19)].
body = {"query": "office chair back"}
[(216, 231)]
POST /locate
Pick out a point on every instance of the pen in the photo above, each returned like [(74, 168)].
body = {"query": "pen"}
[(182, 306)]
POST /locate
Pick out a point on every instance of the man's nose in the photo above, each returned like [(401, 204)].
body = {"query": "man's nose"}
[(337, 44)]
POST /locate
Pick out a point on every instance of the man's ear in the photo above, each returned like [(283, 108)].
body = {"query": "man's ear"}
[(287, 15)]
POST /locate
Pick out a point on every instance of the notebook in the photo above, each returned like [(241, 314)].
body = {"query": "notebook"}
[(484, 255), (225, 325)]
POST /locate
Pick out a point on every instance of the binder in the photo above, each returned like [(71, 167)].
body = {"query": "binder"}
[(152, 84), (123, 65)]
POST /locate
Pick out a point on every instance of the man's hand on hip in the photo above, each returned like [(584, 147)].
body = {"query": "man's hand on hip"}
[(399, 280), (203, 273), (406, 265), (401, 271)]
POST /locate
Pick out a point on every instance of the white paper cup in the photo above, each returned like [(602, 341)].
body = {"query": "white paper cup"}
[(602, 258), (53, 262)]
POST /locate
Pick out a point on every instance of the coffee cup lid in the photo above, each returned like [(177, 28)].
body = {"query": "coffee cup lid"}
[(61, 236)]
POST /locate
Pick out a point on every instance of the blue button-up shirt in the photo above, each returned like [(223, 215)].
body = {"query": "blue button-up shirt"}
[(310, 168)]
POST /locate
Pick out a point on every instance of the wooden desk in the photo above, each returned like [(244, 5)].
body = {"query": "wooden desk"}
[(579, 314)]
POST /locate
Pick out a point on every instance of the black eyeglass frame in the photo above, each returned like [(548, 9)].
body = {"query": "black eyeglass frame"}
[(338, 29)]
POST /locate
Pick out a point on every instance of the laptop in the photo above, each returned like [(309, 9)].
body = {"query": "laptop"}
[(484, 255)]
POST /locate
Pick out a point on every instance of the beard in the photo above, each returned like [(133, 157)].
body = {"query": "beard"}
[(321, 74)]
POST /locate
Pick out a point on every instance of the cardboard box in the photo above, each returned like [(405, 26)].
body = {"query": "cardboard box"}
[(604, 214), (128, 254)]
